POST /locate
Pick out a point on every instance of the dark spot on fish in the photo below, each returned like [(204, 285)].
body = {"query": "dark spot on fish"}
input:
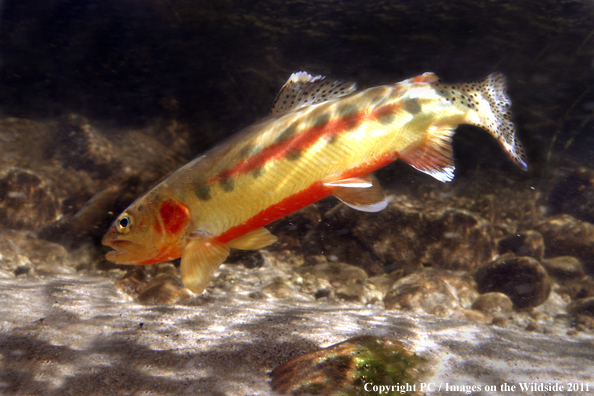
[(246, 151), (140, 208), (293, 154), (384, 115), (257, 172), (332, 139), (287, 133), (227, 184), (386, 119), (412, 105), (347, 110), (202, 192), (321, 119)]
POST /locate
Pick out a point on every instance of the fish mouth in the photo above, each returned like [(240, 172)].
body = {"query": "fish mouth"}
[(124, 250)]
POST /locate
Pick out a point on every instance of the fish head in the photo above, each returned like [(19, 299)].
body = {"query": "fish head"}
[(147, 232)]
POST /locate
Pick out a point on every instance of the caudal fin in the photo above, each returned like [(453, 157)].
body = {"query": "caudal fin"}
[(492, 113)]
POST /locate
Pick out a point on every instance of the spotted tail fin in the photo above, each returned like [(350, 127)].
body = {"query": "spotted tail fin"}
[(492, 113)]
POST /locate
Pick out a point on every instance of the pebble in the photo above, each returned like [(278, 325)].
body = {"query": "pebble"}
[(430, 291), (564, 268), (522, 279), (526, 243), (584, 306), (493, 303), (336, 274), (565, 235), (164, 289)]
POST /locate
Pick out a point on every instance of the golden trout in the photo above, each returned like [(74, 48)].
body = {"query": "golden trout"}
[(321, 139)]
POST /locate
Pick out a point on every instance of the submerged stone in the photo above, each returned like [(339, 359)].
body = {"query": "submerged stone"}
[(526, 243), (493, 303), (522, 279), (430, 291), (164, 289), (353, 368), (565, 235), (564, 268)]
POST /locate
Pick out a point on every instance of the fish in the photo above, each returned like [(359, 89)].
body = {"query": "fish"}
[(322, 137)]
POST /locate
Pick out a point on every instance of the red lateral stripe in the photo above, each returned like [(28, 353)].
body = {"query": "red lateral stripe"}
[(313, 193), (303, 140)]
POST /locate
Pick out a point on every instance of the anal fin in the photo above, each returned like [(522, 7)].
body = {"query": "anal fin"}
[(255, 239), (433, 155), (362, 193), (200, 258)]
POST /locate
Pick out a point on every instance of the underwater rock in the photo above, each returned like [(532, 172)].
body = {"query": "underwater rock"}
[(582, 306), (493, 303), (164, 289), (575, 195), (431, 291), (522, 279), (565, 235), (282, 290), (583, 313), (21, 252), (526, 243), (82, 147), (337, 274), (28, 200), (345, 368), (445, 238), (564, 268), (406, 235), (9, 260), (577, 288)]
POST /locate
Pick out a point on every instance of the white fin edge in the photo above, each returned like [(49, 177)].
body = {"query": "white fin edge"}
[(303, 89)]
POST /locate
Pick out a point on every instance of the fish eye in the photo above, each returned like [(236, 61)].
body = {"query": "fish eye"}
[(124, 223)]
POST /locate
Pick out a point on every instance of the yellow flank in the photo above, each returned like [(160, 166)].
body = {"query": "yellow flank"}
[(320, 139)]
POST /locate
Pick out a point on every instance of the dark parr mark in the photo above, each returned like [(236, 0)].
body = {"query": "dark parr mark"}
[(257, 172), (287, 133), (246, 151), (411, 105), (294, 154), (384, 115), (347, 110), (202, 192), (227, 184), (321, 120)]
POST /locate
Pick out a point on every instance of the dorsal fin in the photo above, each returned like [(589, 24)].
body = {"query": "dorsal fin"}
[(302, 89)]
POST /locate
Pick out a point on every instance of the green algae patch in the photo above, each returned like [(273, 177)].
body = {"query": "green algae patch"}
[(362, 365)]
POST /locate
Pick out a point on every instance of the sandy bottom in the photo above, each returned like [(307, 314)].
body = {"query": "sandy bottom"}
[(76, 335)]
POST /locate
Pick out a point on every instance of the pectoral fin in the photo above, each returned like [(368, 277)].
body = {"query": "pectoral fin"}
[(200, 258), (361, 193), (253, 240)]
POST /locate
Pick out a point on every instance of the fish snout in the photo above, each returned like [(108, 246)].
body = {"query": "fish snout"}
[(110, 237)]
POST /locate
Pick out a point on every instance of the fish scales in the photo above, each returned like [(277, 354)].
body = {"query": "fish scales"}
[(301, 154)]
